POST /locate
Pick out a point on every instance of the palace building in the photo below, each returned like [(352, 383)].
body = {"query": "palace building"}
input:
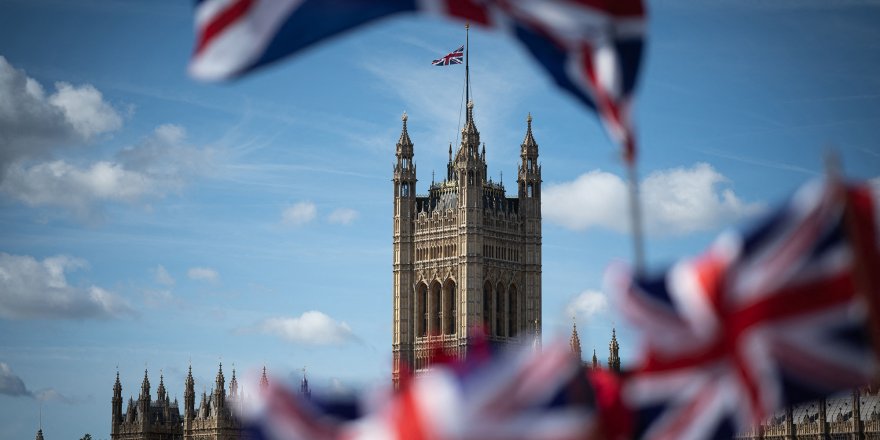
[(466, 257), (160, 419)]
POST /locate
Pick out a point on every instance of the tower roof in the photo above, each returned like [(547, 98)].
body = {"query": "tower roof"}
[(404, 140), (575, 341), (529, 140)]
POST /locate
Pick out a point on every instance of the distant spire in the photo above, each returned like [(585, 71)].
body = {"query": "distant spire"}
[(529, 140), (404, 140), (575, 341), (264, 381), (145, 386), (233, 384), (595, 360), (160, 392), (614, 352), (304, 386)]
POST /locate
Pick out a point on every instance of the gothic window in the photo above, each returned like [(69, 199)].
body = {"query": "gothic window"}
[(530, 165), (487, 307), (499, 310), (470, 177), (450, 299), (513, 304), (434, 311), (531, 189), (421, 310)]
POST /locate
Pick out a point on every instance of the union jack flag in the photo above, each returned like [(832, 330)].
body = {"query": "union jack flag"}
[(783, 314), (454, 57), (527, 395), (591, 48)]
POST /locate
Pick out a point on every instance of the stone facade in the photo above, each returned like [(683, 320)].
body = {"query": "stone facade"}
[(855, 416), (466, 257), (160, 419)]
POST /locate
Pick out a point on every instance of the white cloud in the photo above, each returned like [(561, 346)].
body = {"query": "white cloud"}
[(299, 214), (32, 123), (674, 201), (203, 274), (343, 216), (38, 289), (587, 304), (10, 383), (158, 165), (163, 277), (311, 328)]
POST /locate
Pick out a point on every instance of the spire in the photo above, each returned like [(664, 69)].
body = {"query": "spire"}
[(595, 360), (117, 387), (160, 392), (614, 352), (220, 380), (529, 140), (264, 381), (470, 136), (304, 386), (404, 143), (39, 434), (233, 384), (145, 387), (575, 341)]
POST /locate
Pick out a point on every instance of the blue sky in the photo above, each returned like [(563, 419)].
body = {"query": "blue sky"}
[(147, 219)]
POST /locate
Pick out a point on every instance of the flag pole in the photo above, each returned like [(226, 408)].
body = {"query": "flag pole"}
[(635, 210), (467, 74)]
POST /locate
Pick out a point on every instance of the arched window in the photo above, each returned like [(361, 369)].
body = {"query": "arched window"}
[(470, 177), (487, 307), (512, 304), (434, 309), (499, 311), (450, 301), (421, 310)]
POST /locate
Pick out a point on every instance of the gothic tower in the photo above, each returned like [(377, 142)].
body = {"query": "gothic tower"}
[(614, 352), (466, 257)]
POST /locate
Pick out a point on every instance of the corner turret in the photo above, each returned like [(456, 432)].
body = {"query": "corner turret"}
[(614, 352)]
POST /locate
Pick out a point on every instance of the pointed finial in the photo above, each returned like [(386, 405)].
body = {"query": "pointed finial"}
[(404, 117), (467, 25)]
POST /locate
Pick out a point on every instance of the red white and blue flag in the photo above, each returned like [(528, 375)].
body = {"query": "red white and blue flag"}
[(591, 48), (454, 57), (783, 314), (529, 395)]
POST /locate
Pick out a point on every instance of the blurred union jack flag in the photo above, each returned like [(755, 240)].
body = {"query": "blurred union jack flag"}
[(454, 57), (529, 395), (591, 48), (780, 315)]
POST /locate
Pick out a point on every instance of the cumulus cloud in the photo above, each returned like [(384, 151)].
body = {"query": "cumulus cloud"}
[(32, 123), (587, 304), (12, 385), (159, 164), (343, 216), (30, 288), (299, 214), (163, 277), (310, 328), (675, 201), (203, 274)]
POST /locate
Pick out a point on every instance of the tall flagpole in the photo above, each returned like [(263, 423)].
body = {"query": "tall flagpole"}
[(467, 75), (635, 212)]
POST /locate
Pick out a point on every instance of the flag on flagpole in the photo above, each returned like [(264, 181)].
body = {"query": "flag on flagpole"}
[(454, 57), (591, 49), (777, 316)]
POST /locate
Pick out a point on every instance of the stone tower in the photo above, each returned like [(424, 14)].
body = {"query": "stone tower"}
[(466, 257), (614, 352)]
